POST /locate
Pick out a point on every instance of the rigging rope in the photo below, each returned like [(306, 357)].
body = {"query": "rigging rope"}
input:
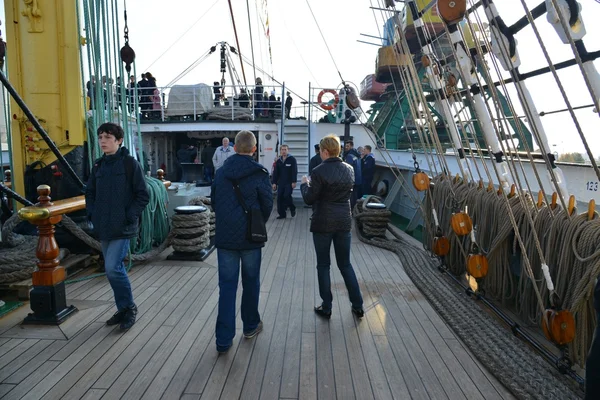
[(514, 363), (237, 42)]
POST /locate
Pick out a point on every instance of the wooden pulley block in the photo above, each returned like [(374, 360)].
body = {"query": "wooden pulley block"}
[(554, 199), (513, 191), (571, 206), (451, 81), (425, 61), (441, 246), (452, 11), (591, 212), (421, 181), (461, 223), (477, 265), (540, 199), (558, 326), (352, 100)]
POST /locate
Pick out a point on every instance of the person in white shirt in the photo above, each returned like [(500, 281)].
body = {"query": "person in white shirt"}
[(222, 153)]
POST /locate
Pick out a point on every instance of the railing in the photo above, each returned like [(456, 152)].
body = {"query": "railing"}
[(203, 102), (48, 296)]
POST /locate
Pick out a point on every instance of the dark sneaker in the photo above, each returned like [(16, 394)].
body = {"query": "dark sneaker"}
[(129, 318), (320, 311), (254, 332), (117, 318), (293, 212), (223, 349), (359, 312)]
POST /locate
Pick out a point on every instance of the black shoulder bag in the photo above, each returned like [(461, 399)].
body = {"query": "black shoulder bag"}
[(256, 229)]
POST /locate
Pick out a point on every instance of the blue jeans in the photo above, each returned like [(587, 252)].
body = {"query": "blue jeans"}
[(114, 252), (229, 272), (341, 246), (208, 174)]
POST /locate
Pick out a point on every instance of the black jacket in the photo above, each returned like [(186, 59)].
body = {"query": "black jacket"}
[(314, 162), (230, 217), (329, 193), (285, 172), (114, 200)]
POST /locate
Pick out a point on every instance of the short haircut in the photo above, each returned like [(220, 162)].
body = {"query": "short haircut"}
[(349, 142), (368, 147), (284, 145), (111, 129), (331, 143), (245, 142)]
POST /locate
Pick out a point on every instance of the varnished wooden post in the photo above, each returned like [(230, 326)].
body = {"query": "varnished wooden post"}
[(160, 174), (48, 297)]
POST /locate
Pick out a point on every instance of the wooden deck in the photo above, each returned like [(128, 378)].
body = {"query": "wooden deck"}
[(400, 350)]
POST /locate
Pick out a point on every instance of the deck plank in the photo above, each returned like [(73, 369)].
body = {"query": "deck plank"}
[(271, 385), (308, 368), (155, 364), (79, 380), (290, 374), (401, 349)]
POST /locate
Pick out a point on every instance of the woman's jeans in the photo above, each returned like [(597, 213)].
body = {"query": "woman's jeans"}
[(229, 272), (114, 252), (341, 246)]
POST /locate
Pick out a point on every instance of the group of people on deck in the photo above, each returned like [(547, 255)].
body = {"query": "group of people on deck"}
[(147, 102), (116, 195), (328, 189), (265, 105)]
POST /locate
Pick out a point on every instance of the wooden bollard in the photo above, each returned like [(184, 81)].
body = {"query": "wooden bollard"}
[(48, 297)]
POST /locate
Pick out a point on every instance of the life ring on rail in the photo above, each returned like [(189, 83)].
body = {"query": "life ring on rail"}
[(326, 106)]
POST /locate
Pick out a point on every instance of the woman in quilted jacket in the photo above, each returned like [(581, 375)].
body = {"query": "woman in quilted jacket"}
[(328, 190)]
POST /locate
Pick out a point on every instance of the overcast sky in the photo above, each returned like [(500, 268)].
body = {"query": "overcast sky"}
[(300, 55)]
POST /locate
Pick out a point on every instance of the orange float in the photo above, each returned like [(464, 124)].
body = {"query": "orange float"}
[(327, 106)]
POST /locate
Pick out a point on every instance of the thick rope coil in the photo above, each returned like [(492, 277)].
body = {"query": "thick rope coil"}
[(372, 222), (208, 203)]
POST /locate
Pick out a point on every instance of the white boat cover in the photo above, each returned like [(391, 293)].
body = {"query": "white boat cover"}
[(189, 99)]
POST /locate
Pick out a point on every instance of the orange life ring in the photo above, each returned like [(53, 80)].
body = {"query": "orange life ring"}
[(326, 106)]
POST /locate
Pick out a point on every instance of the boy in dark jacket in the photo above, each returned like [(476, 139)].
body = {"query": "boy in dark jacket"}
[(115, 197), (230, 238), (285, 175)]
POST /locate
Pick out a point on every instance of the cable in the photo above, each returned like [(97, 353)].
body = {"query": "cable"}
[(181, 36), (251, 42), (324, 41)]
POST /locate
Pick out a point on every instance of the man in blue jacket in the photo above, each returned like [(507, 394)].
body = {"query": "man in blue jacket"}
[(285, 176), (230, 238), (115, 197), (368, 170), (352, 157)]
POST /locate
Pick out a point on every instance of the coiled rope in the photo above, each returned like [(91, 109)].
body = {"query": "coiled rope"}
[(519, 369)]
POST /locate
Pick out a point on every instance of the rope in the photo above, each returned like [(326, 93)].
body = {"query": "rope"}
[(513, 363)]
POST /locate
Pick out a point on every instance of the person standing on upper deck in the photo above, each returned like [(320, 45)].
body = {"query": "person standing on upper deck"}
[(285, 176), (328, 190), (288, 105), (222, 154)]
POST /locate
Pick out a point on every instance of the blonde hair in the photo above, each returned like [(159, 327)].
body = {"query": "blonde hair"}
[(244, 142), (332, 144)]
